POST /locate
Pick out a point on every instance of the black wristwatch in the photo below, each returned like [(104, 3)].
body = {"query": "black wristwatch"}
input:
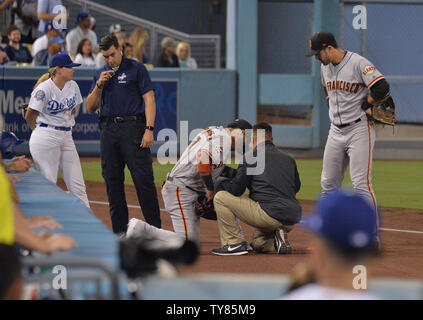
[(151, 128)]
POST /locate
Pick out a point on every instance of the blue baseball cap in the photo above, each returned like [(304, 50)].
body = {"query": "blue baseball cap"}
[(57, 40), (62, 59), (346, 220), (8, 141), (82, 16), (49, 26)]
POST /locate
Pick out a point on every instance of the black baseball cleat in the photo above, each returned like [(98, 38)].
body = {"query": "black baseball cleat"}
[(232, 250), (282, 245)]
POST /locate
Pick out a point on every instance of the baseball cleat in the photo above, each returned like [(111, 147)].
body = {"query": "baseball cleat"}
[(282, 245), (232, 250)]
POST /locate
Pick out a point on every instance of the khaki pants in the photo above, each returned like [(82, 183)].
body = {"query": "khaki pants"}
[(229, 207)]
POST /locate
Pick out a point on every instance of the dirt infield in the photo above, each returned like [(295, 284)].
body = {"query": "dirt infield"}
[(402, 251)]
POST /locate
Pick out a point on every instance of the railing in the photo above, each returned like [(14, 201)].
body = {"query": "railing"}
[(204, 48)]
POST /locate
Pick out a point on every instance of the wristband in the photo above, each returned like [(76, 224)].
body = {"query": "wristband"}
[(100, 87), (365, 105), (151, 128)]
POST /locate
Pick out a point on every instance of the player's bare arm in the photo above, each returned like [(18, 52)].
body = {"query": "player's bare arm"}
[(93, 99), (150, 115), (18, 164), (25, 237), (30, 117)]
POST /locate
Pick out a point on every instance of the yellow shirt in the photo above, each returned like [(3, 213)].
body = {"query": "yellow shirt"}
[(7, 227)]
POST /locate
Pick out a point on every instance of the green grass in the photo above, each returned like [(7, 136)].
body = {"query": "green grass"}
[(396, 184)]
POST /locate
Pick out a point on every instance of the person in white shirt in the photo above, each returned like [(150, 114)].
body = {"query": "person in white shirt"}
[(345, 236), (42, 42), (82, 31), (51, 116), (183, 51), (84, 54)]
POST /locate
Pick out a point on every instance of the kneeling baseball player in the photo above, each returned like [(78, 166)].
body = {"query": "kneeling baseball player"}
[(272, 208), (196, 172)]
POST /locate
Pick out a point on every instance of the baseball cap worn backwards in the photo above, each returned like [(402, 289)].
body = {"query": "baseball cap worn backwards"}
[(345, 220), (320, 41), (62, 59), (115, 28)]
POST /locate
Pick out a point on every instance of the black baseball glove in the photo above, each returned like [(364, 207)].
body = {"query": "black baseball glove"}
[(205, 209)]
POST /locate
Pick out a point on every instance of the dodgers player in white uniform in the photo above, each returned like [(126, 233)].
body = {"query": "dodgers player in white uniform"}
[(50, 115), (352, 84), (196, 171)]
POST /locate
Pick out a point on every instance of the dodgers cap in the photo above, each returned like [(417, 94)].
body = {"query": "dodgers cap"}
[(8, 141), (62, 59)]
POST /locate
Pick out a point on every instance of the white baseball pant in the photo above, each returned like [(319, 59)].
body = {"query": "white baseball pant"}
[(54, 150)]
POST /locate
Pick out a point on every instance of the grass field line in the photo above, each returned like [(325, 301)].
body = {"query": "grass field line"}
[(138, 207)]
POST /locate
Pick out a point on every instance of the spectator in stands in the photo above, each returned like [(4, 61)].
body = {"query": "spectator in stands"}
[(92, 28), (5, 18), (81, 31), (168, 58), (54, 46), (139, 38), (345, 235), (42, 42), (45, 12), (3, 56), (26, 19), (116, 28), (15, 50), (183, 51), (128, 51), (84, 54)]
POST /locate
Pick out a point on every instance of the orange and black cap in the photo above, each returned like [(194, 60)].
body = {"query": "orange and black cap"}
[(320, 41)]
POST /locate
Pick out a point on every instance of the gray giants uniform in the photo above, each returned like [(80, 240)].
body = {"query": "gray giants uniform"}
[(182, 184), (351, 136)]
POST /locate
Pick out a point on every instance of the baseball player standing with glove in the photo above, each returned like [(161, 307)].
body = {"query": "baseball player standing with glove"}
[(50, 115), (196, 172), (354, 87)]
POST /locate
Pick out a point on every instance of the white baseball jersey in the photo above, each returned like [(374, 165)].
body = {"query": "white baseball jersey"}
[(347, 85), (216, 143), (40, 44), (56, 107)]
